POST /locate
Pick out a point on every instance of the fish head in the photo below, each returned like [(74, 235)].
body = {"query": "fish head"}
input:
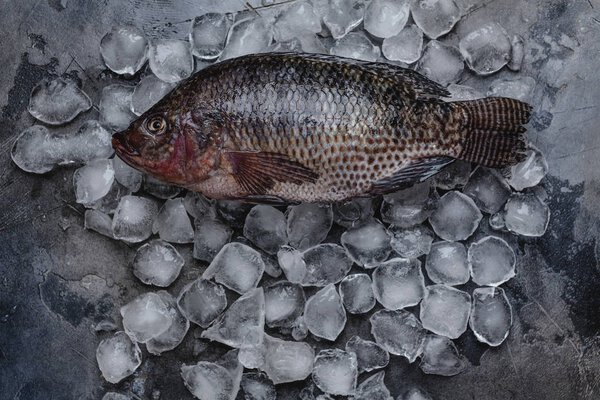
[(169, 146)]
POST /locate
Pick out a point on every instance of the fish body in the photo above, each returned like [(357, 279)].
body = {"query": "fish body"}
[(304, 127)]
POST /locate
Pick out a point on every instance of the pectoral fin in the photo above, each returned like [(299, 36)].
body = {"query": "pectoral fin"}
[(257, 172), (416, 171)]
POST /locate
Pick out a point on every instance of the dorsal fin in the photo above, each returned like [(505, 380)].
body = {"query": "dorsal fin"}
[(410, 83)]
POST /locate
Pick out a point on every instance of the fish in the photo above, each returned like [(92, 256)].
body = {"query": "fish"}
[(296, 127)]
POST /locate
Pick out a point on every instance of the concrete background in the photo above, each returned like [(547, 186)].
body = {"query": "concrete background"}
[(58, 280)]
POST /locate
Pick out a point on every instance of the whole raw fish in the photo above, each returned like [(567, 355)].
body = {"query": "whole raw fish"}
[(306, 127)]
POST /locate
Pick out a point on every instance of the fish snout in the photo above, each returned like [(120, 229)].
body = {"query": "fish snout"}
[(122, 145)]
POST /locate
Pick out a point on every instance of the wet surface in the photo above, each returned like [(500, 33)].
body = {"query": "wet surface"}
[(58, 280)]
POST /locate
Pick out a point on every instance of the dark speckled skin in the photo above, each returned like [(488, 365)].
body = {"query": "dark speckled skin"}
[(333, 127)]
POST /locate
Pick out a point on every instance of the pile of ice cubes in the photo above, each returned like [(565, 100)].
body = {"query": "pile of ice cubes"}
[(421, 265)]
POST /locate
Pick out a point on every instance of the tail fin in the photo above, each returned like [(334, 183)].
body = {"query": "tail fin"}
[(493, 131)]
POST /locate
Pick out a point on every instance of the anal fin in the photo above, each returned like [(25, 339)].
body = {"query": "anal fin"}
[(417, 171), (257, 172)]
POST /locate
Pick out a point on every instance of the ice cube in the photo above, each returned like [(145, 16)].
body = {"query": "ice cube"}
[(298, 19), (530, 171), (411, 242), (248, 36), (57, 101), (456, 217), (491, 315), (324, 313), (129, 177), (173, 336), (266, 227), (38, 150), (342, 16), (398, 283), (171, 60), (199, 206), (447, 263), (148, 92), (242, 325), (335, 371), (463, 92), (157, 263), (488, 189), (93, 181), (386, 18), (233, 212), (209, 237), (445, 310), (353, 212), (133, 219), (115, 107), (486, 49), (491, 261), (99, 222), (118, 357), (409, 207), (496, 221), (208, 35), (214, 380), (146, 317), (356, 45), (284, 302), (258, 386), (415, 394), (526, 215), (456, 174), (519, 88), (109, 202), (173, 223), (369, 355), (287, 361), (292, 263), (202, 301), (237, 267), (124, 50), (440, 357), (159, 189), (517, 53), (441, 63), (398, 332), (373, 388), (405, 46), (325, 263), (299, 330), (356, 292), (308, 224), (435, 17), (367, 244)]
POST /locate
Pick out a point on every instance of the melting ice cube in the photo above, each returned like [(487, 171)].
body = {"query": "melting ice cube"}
[(405, 46), (456, 217), (157, 263), (441, 63), (266, 227), (133, 219), (208, 35), (491, 261), (171, 60), (447, 263), (335, 371), (440, 357), (308, 224), (367, 244), (445, 310), (146, 317), (93, 181), (399, 332), (398, 283), (237, 267), (118, 357), (57, 101), (369, 355), (491, 315), (202, 301), (324, 313), (486, 49), (124, 49), (386, 18), (356, 292), (435, 17), (356, 45)]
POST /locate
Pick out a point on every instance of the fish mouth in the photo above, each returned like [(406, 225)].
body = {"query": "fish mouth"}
[(122, 146)]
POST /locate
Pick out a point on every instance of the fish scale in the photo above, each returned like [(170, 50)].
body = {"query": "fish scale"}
[(305, 127)]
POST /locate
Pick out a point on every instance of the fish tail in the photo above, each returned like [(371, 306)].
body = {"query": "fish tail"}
[(493, 130)]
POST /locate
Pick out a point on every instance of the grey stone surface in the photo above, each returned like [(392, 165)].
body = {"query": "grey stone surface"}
[(54, 289)]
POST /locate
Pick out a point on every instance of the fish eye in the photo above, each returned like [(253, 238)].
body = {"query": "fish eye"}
[(156, 125)]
